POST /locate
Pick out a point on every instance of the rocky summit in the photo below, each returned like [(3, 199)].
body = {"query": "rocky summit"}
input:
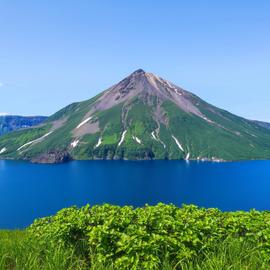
[(141, 117)]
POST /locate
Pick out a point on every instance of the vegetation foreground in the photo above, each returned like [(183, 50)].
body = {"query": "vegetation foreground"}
[(152, 237)]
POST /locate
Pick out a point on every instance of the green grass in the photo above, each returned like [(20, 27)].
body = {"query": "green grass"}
[(18, 252)]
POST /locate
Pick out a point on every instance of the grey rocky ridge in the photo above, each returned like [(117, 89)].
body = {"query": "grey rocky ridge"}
[(141, 117)]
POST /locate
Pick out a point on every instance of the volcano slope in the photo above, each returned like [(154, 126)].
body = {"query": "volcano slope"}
[(141, 117)]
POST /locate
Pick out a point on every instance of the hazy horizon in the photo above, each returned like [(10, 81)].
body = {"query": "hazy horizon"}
[(56, 53)]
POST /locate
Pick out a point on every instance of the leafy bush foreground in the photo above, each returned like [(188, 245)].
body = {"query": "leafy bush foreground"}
[(145, 238)]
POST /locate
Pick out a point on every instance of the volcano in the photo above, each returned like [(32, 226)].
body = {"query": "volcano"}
[(142, 117)]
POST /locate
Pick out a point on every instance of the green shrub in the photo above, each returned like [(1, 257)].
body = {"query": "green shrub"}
[(145, 238)]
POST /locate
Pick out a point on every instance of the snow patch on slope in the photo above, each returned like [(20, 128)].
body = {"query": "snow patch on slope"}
[(178, 144), (75, 143), (164, 145), (34, 141), (98, 143), (122, 137), (137, 139), (3, 150), (177, 92), (84, 122), (153, 135), (156, 138), (173, 88)]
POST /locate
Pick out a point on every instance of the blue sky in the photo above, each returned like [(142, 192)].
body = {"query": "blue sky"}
[(53, 53)]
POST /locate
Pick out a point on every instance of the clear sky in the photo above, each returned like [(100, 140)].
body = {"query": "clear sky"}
[(53, 53)]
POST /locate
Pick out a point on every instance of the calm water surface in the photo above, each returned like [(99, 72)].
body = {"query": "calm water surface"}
[(28, 191)]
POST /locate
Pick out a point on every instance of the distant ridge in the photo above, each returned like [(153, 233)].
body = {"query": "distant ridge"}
[(10, 123), (142, 117), (262, 124)]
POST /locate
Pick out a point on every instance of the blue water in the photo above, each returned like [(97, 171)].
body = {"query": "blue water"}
[(29, 191)]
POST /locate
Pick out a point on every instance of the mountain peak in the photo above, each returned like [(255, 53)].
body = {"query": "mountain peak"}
[(148, 88), (139, 71)]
